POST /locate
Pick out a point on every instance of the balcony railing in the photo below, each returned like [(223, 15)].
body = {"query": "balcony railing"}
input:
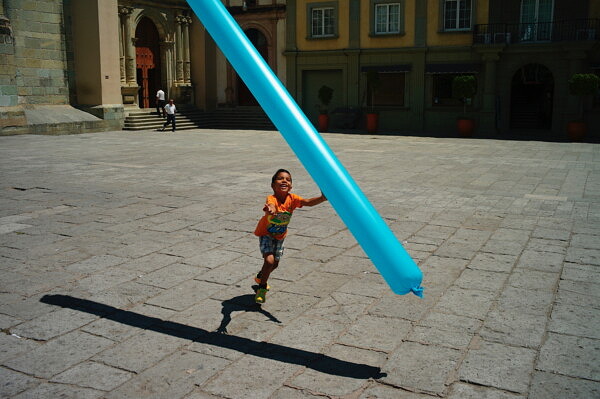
[(540, 32)]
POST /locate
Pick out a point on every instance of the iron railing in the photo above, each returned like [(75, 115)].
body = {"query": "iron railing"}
[(540, 32)]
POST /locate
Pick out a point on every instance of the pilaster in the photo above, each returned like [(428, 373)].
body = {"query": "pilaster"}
[(186, 51), (490, 55), (128, 46), (291, 49), (180, 20)]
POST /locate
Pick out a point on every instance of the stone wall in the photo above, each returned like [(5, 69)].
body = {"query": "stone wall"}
[(8, 85), (39, 52)]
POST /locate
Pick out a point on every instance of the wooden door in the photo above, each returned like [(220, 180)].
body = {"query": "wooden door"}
[(147, 54), (259, 41)]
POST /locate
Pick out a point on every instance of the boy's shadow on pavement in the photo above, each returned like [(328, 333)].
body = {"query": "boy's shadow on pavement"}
[(242, 303), (312, 360)]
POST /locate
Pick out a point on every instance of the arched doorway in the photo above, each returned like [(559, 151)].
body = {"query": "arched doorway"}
[(147, 55), (531, 99), (259, 41)]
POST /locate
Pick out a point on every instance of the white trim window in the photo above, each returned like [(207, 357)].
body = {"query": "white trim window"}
[(323, 22), (387, 18), (457, 14)]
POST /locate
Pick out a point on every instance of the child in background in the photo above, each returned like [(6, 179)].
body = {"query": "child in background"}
[(272, 227)]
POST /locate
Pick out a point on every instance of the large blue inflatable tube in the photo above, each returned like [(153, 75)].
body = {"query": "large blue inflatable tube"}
[(377, 240)]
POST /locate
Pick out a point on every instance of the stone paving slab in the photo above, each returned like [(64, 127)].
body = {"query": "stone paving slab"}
[(127, 260)]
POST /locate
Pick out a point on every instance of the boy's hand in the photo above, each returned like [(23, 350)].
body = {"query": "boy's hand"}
[(270, 209)]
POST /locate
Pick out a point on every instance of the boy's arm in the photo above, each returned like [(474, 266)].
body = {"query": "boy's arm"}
[(313, 201), (270, 207)]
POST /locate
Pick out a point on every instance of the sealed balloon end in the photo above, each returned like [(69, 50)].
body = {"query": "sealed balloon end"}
[(417, 291)]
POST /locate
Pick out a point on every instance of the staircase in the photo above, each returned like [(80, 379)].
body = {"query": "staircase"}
[(147, 119), (246, 118), (188, 117)]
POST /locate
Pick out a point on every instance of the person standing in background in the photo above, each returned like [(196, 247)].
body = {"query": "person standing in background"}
[(160, 103), (170, 110)]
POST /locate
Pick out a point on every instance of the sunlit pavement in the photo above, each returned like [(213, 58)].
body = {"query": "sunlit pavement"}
[(128, 261)]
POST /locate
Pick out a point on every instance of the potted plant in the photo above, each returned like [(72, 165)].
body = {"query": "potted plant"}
[(325, 94), (464, 88), (373, 84), (581, 85)]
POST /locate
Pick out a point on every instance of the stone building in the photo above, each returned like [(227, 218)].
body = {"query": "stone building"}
[(82, 65)]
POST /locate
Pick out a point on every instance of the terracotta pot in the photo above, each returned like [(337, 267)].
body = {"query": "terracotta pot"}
[(372, 122), (576, 130), (465, 127), (323, 122)]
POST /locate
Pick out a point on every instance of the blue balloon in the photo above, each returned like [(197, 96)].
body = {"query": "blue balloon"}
[(377, 240)]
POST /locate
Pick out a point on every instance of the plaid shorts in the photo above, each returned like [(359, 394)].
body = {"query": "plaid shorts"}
[(269, 245)]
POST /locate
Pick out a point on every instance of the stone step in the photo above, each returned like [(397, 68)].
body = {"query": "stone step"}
[(252, 118)]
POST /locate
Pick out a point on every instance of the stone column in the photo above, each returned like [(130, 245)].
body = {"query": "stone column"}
[(489, 83), (418, 97), (291, 49), (487, 121), (128, 46), (575, 58), (186, 51), (180, 20), (166, 61), (122, 52), (96, 58)]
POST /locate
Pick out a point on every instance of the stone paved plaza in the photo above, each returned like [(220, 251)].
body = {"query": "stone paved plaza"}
[(127, 262)]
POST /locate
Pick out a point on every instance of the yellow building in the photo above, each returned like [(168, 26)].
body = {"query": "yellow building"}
[(521, 52)]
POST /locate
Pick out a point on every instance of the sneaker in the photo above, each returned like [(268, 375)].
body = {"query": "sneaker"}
[(259, 281), (261, 295)]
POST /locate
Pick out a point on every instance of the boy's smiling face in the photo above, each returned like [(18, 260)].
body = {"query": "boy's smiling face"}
[(282, 184)]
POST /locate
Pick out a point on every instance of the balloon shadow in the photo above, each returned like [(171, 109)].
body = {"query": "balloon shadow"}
[(242, 303), (316, 361)]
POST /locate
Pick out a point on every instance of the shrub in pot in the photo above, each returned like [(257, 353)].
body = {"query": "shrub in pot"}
[(373, 84), (325, 95), (464, 88)]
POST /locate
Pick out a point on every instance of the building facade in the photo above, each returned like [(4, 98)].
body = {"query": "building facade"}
[(108, 57), (82, 65), (522, 53)]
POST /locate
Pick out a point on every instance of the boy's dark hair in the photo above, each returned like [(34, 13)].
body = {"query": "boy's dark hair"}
[(278, 172)]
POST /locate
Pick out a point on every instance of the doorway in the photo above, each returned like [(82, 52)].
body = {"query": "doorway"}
[(147, 58), (531, 99), (312, 80), (258, 39)]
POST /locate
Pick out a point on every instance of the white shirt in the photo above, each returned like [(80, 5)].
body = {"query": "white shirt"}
[(160, 95), (170, 109)]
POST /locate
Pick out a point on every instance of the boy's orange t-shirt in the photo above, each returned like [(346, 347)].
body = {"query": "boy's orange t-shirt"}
[(276, 225)]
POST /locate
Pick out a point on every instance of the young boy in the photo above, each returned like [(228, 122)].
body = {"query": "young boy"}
[(272, 227)]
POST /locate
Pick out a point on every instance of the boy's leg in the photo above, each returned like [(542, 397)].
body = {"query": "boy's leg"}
[(269, 264)]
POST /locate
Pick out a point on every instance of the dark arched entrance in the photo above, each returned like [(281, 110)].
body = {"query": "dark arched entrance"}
[(531, 98), (259, 41), (147, 56)]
